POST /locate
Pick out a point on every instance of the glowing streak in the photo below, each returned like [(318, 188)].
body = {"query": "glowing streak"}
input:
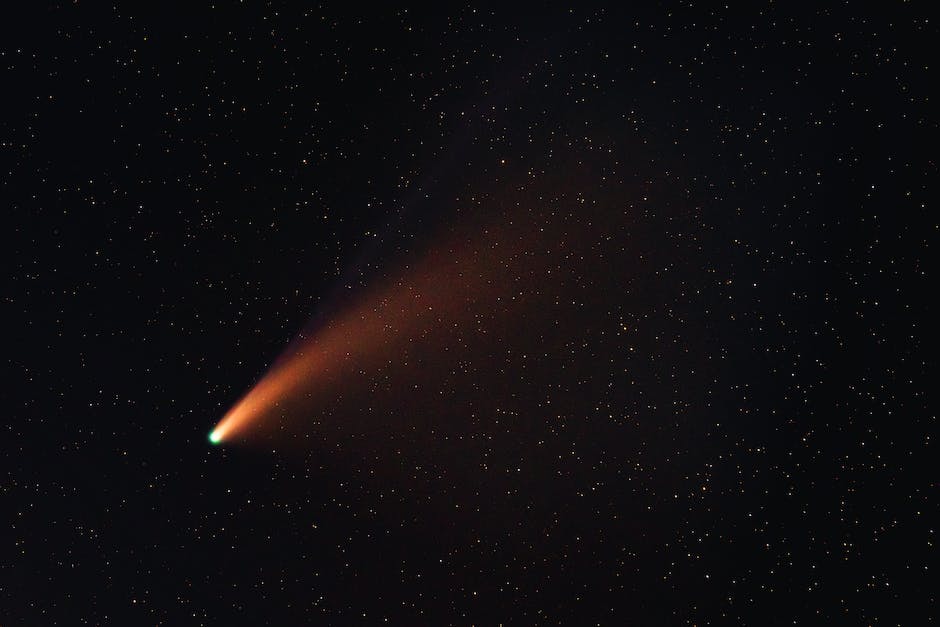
[(434, 293)]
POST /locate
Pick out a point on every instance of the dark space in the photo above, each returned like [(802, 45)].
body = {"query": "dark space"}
[(676, 367)]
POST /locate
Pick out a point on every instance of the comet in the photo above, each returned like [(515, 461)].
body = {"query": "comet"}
[(469, 275)]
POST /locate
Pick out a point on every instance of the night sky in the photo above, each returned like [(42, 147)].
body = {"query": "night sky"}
[(608, 316)]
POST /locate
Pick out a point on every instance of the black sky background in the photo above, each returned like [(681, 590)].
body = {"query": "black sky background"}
[(722, 417)]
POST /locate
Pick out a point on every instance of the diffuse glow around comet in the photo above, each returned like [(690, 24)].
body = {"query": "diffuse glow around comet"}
[(445, 288), (486, 284)]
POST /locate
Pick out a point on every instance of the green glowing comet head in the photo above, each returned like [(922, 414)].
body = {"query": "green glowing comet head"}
[(215, 437)]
